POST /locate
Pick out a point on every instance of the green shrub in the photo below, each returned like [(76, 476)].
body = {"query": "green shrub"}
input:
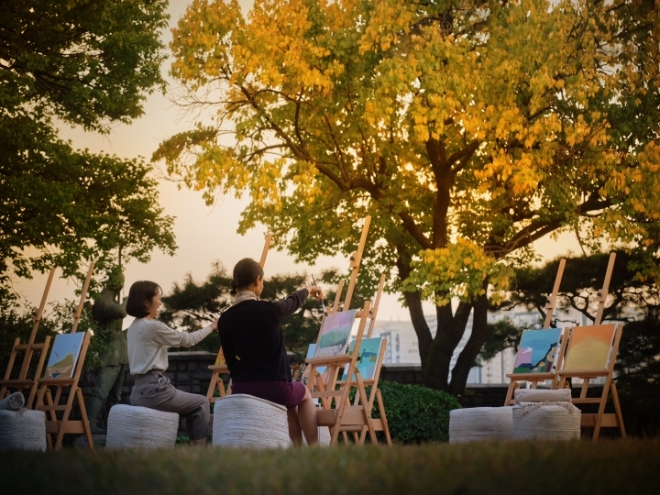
[(416, 414)]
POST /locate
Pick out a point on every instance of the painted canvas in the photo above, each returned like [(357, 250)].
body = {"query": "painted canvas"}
[(64, 355), (321, 370), (537, 352), (589, 347), (367, 357), (335, 332), (220, 358)]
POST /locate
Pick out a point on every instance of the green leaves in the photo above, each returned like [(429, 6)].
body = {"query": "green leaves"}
[(457, 271), (90, 64), (87, 62)]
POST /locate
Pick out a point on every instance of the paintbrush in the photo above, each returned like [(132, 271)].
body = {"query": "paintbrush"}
[(325, 311)]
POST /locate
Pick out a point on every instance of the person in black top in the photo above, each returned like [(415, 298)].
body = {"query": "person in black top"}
[(253, 346)]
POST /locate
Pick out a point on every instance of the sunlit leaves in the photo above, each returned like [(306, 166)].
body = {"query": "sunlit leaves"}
[(457, 271), (492, 122)]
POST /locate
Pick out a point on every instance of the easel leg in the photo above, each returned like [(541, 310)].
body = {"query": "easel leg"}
[(509, 394), (617, 409), (45, 392), (601, 411), (361, 391), (83, 417), (383, 418), (65, 418)]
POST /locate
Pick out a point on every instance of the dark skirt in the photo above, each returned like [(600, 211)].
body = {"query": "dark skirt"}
[(288, 394)]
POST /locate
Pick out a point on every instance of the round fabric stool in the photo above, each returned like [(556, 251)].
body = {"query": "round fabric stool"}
[(241, 420), (479, 424), (140, 427), (24, 430), (546, 421)]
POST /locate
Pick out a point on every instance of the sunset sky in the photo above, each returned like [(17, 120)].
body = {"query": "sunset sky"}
[(204, 234)]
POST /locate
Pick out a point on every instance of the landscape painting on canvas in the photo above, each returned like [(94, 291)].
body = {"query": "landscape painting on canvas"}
[(64, 355), (320, 370), (589, 347), (367, 357), (537, 352), (334, 333)]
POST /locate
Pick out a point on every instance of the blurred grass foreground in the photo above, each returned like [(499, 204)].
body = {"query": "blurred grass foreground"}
[(609, 466)]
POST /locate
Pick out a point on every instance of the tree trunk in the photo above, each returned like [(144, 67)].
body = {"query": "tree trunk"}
[(468, 355), (450, 331), (414, 301)]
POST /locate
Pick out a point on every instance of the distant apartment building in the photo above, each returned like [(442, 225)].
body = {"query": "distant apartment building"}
[(403, 347)]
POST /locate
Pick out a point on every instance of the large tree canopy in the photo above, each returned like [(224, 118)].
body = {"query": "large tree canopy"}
[(466, 129), (85, 63)]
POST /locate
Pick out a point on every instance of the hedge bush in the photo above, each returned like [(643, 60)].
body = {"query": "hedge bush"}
[(416, 414)]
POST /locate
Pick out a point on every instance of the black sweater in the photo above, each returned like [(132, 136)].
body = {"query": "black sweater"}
[(252, 339)]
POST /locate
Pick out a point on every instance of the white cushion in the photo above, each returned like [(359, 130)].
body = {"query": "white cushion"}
[(13, 402), (241, 420), (546, 421), (140, 427), (540, 395), (24, 430), (480, 423)]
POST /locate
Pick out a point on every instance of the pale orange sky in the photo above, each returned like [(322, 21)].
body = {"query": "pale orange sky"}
[(203, 234)]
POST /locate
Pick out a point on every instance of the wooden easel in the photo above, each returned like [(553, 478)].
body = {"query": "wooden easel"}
[(50, 405), (219, 369), (379, 424), (23, 382), (600, 419), (540, 377), (345, 417)]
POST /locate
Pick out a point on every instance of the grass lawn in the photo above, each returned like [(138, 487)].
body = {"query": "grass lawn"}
[(609, 466)]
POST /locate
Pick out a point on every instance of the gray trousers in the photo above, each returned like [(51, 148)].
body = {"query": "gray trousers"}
[(154, 390)]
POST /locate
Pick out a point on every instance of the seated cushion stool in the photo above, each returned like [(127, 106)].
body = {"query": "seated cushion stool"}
[(241, 420), (480, 424), (140, 427)]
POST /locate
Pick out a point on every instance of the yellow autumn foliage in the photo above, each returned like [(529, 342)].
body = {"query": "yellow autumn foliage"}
[(467, 130)]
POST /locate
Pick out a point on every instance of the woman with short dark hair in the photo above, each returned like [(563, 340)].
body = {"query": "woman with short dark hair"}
[(148, 340), (253, 346)]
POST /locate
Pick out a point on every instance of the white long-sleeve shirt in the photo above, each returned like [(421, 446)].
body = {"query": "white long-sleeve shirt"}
[(148, 341)]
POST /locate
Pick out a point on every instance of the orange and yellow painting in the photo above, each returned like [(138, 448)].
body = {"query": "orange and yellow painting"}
[(589, 347), (220, 359)]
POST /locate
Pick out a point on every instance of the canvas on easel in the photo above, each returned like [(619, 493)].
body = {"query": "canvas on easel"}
[(63, 372), (540, 351), (220, 366), (589, 348), (366, 376), (367, 357), (590, 355), (335, 411), (537, 351), (334, 334), (320, 371), (64, 355), (22, 382)]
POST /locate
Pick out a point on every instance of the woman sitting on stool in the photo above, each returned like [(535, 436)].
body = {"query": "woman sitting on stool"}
[(253, 346), (148, 340)]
